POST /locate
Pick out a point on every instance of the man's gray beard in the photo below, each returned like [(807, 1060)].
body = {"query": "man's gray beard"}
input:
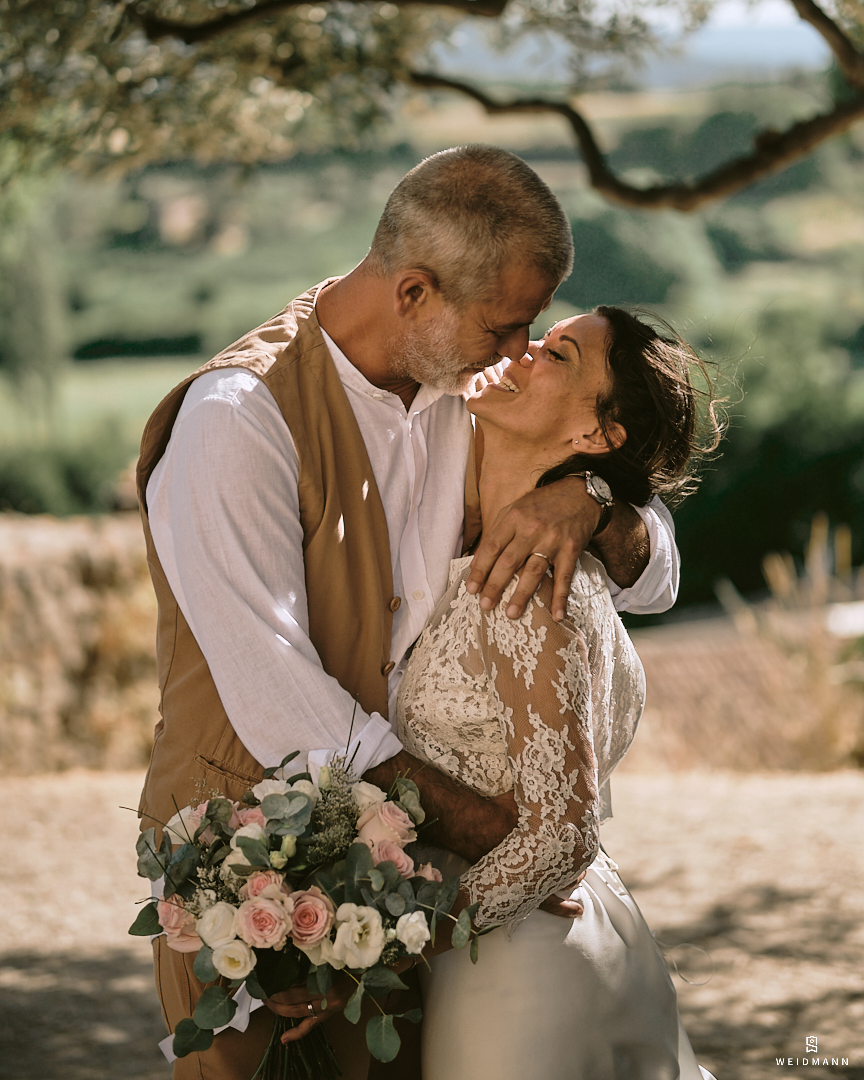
[(432, 356)]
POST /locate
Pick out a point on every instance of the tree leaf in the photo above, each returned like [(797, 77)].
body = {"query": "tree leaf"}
[(414, 1016), (289, 757), (382, 1038), (147, 922), (376, 880), (380, 979), (352, 1009), (255, 852), (475, 949), (461, 931), (189, 1038), (447, 896), (395, 904), (149, 865), (166, 848), (215, 1008), (203, 966)]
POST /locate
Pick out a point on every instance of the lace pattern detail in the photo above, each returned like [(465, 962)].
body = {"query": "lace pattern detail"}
[(543, 708)]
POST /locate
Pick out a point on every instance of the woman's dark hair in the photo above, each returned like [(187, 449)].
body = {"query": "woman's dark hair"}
[(653, 397)]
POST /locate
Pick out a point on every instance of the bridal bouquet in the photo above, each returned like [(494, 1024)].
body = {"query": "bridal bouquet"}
[(292, 883)]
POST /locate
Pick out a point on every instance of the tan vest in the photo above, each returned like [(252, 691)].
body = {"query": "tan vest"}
[(346, 551)]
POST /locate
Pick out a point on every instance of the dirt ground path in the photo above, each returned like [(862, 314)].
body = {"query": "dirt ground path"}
[(764, 873)]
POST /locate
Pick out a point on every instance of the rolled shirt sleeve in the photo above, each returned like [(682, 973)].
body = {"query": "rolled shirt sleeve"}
[(657, 589)]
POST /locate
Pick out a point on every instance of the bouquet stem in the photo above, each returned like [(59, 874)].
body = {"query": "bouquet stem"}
[(310, 1058)]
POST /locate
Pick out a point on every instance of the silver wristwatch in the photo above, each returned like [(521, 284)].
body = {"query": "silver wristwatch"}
[(601, 493)]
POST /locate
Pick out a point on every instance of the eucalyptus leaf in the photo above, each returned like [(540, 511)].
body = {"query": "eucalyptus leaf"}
[(255, 852), (475, 949), (395, 904), (166, 848), (382, 1038), (184, 862), (203, 965), (358, 863), (149, 865), (275, 806), (461, 931), (413, 1016), (447, 895), (147, 922), (219, 809), (376, 880), (299, 776), (352, 1009), (254, 988), (215, 1008), (381, 979), (190, 1039), (289, 757), (392, 877)]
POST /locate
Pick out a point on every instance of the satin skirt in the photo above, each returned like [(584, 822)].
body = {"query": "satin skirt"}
[(589, 999)]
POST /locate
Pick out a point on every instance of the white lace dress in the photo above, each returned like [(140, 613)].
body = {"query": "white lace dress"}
[(548, 710)]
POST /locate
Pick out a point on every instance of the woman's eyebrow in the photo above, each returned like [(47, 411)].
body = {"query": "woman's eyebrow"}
[(572, 341)]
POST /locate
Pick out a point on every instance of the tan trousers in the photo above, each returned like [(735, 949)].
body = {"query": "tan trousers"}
[(236, 1055)]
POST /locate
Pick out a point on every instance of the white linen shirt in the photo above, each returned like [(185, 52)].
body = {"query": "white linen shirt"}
[(224, 514)]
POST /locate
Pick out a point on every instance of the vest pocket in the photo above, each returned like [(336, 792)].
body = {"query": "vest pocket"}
[(221, 778)]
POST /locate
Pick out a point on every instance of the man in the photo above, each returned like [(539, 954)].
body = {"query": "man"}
[(301, 509)]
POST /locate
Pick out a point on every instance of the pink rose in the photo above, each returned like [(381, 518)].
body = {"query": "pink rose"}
[(262, 923), (312, 917), (387, 851), (386, 821), (256, 883), (428, 871), (251, 815), (178, 924)]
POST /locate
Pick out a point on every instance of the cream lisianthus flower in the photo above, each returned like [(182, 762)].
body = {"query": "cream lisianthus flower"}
[(269, 787), (359, 935), (234, 960), (215, 927)]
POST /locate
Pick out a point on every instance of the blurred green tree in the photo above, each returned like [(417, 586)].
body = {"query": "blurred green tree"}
[(119, 84)]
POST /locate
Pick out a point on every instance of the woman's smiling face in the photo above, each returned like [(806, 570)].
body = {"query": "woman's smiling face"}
[(548, 400)]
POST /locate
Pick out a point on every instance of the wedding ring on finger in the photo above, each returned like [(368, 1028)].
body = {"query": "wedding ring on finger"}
[(542, 556)]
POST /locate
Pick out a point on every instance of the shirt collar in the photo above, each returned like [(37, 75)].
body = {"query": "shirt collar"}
[(353, 377)]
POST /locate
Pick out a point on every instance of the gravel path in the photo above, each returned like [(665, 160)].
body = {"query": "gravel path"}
[(765, 873)]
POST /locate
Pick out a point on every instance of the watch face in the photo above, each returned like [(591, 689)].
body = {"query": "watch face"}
[(601, 489)]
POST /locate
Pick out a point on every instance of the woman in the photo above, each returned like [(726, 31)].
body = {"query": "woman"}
[(549, 710)]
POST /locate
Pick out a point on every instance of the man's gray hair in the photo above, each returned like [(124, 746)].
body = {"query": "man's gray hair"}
[(463, 215)]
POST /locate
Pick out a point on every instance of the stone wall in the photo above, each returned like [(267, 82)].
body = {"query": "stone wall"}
[(77, 632)]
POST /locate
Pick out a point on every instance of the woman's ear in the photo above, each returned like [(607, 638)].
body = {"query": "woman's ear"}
[(596, 442)]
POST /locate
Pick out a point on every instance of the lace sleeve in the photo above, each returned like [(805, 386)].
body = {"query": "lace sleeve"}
[(539, 680)]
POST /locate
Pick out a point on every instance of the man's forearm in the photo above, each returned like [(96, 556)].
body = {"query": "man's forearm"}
[(464, 821), (623, 546)]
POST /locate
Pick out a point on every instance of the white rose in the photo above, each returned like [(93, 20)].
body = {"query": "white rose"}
[(233, 858), (306, 787), (216, 925), (234, 960), (184, 823), (322, 952), (413, 931), (359, 936), (254, 831), (366, 795), (269, 787)]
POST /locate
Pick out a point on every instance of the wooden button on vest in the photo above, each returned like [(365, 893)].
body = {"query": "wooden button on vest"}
[(388, 667), (395, 603)]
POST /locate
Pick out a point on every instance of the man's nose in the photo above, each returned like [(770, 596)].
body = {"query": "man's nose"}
[(515, 344)]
